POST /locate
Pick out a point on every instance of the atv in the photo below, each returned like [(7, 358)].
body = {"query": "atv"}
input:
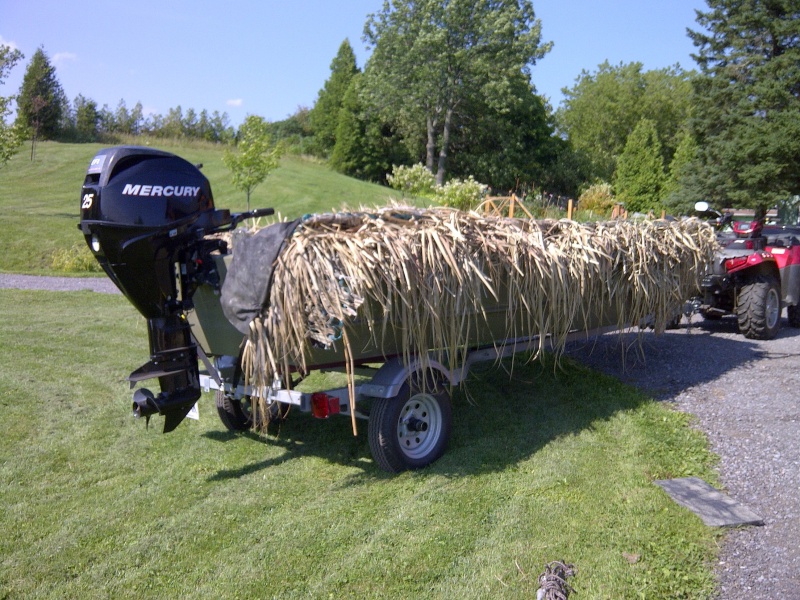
[(754, 275)]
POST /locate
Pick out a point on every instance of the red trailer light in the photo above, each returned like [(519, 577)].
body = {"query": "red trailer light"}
[(323, 405)]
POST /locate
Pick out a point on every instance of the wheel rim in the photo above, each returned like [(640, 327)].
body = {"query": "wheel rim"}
[(773, 308), (419, 425)]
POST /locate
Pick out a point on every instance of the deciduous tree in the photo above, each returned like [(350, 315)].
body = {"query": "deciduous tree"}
[(430, 57), (10, 135), (255, 155), (602, 109)]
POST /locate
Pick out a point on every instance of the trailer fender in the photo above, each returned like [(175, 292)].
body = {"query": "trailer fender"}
[(391, 376)]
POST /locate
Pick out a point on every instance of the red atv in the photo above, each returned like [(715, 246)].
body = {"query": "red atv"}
[(754, 276)]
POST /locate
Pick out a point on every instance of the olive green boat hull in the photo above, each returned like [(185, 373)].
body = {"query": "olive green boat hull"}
[(218, 337)]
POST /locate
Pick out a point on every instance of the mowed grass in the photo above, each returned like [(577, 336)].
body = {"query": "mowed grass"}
[(40, 199), (548, 465)]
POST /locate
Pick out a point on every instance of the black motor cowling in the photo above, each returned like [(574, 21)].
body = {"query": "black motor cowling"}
[(140, 209), (145, 214)]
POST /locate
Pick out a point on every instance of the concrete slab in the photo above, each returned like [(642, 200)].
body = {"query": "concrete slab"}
[(712, 506)]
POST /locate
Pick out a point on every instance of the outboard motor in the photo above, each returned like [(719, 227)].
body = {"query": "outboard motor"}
[(145, 215)]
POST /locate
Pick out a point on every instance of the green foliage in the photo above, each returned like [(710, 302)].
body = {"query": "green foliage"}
[(461, 194), (639, 178), (10, 135), (597, 198), (418, 181), (324, 117), (681, 170), (87, 119), (747, 121), (601, 110), (509, 147), (431, 59), (41, 100), (366, 145), (75, 259), (294, 133), (415, 180), (255, 156)]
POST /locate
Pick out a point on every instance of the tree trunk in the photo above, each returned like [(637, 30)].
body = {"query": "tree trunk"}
[(442, 166), (430, 147)]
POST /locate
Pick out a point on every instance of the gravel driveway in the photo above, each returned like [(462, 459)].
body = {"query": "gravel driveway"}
[(58, 284), (745, 396)]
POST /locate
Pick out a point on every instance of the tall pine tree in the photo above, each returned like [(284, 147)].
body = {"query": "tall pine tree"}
[(747, 120), (41, 100), (640, 174), (324, 117)]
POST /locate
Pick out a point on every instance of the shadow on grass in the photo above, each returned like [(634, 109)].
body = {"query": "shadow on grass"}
[(506, 413)]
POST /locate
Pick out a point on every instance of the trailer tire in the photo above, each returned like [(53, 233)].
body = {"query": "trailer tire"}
[(758, 308), (234, 414), (237, 415), (411, 430)]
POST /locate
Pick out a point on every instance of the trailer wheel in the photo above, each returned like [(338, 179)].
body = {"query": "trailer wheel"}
[(411, 430), (237, 415), (234, 414), (758, 308)]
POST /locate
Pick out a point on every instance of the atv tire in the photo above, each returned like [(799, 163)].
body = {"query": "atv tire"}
[(758, 308)]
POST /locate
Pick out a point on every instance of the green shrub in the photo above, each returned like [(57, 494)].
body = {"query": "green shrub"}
[(597, 198), (75, 259), (461, 194), (416, 180)]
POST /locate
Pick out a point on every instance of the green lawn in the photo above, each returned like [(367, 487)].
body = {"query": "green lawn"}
[(550, 465), (40, 200)]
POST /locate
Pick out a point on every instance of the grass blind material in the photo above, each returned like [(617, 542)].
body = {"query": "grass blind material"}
[(424, 278)]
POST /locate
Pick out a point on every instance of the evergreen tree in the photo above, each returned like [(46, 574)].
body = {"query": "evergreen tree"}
[(87, 118), (324, 116), (640, 178), (41, 101), (747, 121), (682, 168), (366, 146)]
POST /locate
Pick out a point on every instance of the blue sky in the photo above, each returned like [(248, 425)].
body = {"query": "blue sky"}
[(270, 57)]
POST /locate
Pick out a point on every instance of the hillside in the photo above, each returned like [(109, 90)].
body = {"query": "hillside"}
[(39, 200)]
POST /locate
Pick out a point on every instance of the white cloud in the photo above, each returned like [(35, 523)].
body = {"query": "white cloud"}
[(235, 102), (62, 57), (10, 44)]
